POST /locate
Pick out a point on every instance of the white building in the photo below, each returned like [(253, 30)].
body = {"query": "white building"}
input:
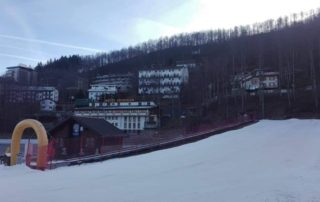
[(110, 85), (271, 80), (190, 64), (98, 90), (47, 105), (256, 80), (45, 93), (167, 82), (128, 116), (33, 94)]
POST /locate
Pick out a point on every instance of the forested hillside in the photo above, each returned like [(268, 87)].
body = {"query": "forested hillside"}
[(289, 45)]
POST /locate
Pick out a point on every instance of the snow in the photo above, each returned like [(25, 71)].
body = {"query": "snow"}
[(268, 161)]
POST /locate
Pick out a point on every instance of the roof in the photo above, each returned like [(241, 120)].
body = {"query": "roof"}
[(114, 108), (162, 68), (21, 67), (99, 126), (118, 105), (82, 102)]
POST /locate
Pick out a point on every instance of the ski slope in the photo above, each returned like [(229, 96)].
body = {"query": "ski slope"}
[(268, 161)]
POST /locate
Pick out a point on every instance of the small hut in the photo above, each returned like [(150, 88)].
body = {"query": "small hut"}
[(78, 136)]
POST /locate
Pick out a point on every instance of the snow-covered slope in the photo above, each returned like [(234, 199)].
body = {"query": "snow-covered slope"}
[(268, 161)]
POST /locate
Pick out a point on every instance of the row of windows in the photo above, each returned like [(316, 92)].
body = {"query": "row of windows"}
[(271, 78), (111, 118), (165, 83), (134, 126), (272, 84), (131, 118), (162, 71), (150, 91), (161, 79), (159, 71), (128, 125), (113, 112), (126, 118)]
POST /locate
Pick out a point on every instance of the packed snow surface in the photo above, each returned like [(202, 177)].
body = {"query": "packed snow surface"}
[(267, 161)]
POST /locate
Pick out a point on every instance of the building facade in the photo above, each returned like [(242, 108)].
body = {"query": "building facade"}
[(258, 79), (97, 91), (47, 105), (190, 64), (166, 82), (47, 97), (22, 75), (110, 85), (126, 116)]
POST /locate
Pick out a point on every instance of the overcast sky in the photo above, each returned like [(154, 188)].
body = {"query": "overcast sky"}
[(36, 30)]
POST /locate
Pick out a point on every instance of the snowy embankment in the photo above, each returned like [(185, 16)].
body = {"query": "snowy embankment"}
[(268, 161)]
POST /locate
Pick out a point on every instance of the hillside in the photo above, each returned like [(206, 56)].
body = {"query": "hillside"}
[(267, 161), (276, 44), (288, 45)]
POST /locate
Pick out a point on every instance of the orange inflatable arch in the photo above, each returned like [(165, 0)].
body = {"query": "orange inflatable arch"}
[(42, 141)]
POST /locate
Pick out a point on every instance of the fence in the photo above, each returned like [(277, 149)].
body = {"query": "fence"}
[(33, 151), (78, 150)]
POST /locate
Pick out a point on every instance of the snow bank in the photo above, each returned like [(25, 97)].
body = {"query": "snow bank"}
[(268, 161)]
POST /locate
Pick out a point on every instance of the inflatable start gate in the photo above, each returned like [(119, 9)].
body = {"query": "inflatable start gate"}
[(42, 141)]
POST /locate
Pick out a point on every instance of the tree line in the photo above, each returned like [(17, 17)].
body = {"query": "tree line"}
[(90, 62), (289, 45)]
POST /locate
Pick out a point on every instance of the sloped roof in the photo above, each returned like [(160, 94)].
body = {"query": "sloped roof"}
[(99, 126)]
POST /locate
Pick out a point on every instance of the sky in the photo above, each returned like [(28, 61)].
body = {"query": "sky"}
[(34, 31)]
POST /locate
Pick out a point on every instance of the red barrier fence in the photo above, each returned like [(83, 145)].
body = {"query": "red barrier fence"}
[(32, 155), (77, 148)]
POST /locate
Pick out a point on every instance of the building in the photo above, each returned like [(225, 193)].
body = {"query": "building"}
[(31, 94), (257, 79), (97, 91), (47, 96), (110, 85), (125, 115), (22, 75), (47, 105), (166, 82), (85, 136), (190, 64)]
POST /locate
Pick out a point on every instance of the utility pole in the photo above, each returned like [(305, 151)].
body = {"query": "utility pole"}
[(261, 93), (261, 85), (159, 98)]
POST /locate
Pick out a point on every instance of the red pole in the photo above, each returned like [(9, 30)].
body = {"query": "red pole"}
[(28, 157)]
